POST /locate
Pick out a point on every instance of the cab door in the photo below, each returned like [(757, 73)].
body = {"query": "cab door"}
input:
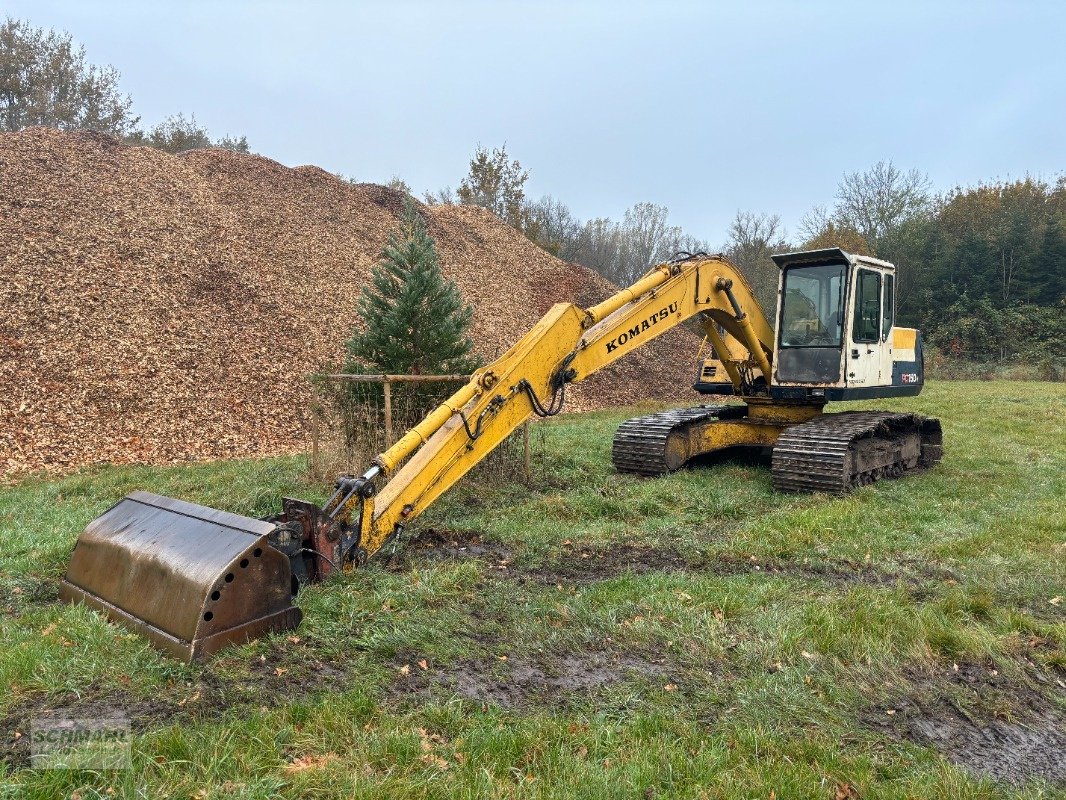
[(888, 322), (866, 349)]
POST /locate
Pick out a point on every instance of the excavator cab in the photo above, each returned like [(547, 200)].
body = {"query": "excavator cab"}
[(836, 335)]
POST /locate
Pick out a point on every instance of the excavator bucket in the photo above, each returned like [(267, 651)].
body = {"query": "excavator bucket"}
[(189, 578)]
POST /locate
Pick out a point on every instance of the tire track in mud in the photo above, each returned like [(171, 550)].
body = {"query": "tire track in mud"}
[(1011, 729)]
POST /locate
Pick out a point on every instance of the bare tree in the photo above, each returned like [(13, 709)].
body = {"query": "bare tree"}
[(684, 243), (551, 224), (646, 239), (753, 238), (45, 80), (599, 247), (814, 223), (441, 197), (178, 133), (881, 199)]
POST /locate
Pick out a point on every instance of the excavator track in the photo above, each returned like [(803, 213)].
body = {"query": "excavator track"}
[(640, 444), (835, 453)]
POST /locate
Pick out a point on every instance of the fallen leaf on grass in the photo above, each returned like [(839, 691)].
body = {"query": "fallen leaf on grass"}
[(435, 761), (279, 671), (405, 669), (305, 763), (423, 664)]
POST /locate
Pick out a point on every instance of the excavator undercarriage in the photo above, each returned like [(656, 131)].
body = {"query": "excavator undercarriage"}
[(832, 453)]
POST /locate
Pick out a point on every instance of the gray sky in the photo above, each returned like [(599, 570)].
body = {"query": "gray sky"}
[(706, 108)]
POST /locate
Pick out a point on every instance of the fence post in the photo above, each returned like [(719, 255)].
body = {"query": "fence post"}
[(388, 415)]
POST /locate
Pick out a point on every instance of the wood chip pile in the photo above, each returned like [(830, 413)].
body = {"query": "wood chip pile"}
[(160, 308)]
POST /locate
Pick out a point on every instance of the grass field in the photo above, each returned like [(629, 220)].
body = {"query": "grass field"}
[(599, 635)]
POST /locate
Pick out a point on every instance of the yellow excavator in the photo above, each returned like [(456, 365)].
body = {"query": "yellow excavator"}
[(195, 579)]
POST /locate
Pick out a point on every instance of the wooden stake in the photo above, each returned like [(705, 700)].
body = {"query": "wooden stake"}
[(388, 414)]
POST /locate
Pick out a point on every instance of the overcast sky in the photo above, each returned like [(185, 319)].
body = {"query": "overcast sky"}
[(706, 108)]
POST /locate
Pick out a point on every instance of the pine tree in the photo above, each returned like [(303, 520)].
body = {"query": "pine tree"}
[(415, 322)]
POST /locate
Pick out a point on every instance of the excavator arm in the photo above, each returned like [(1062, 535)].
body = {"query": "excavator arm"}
[(567, 345), (195, 579)]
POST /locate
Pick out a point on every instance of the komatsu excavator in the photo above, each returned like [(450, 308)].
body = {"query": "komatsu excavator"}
[(195, 579)]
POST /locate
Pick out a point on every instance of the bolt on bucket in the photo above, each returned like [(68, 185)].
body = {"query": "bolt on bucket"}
[(191, 579)]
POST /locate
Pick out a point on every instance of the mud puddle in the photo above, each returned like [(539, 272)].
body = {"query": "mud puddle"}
[(15, 726), (588, 565), (576, 564)]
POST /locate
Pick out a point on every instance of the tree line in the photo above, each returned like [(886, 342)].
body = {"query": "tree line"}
[(980, 269), (46, 79)]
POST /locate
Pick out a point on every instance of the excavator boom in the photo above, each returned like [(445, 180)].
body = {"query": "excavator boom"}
[(566, 346), (193, 579)]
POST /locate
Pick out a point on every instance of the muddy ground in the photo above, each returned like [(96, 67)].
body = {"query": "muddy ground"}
[(1009, 729), (579, 565), (547, 680)]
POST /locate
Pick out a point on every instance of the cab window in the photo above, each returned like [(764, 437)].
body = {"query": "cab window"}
[(888, 310), (867, 323), (811, 306)]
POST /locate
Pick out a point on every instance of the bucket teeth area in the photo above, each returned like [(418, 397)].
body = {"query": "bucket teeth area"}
[(192, 579)]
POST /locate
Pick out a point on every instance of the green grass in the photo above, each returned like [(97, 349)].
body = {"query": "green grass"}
[(776, 679)]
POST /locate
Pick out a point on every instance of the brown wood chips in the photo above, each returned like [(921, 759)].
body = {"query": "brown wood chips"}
[(158, 308)]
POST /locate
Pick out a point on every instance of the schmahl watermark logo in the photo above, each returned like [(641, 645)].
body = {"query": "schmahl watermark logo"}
[(96, 743)]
